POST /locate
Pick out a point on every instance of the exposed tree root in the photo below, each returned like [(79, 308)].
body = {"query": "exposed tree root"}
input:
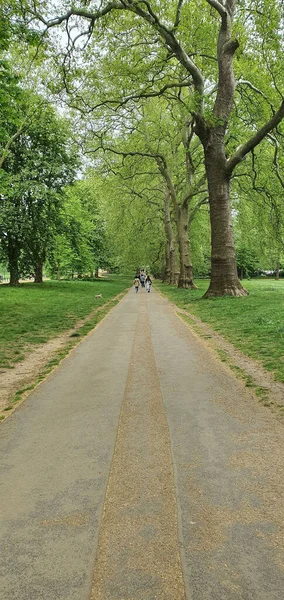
[(232, 290)]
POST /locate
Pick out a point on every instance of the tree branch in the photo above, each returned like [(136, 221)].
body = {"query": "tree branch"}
[(275, 158), (79, 13), (195, 190), (9, 144), (255, 89), (177, 19), (254, 140), (218, 6), (119, 103), (171, 41), (196, 208), (156, 157), (147, 15)]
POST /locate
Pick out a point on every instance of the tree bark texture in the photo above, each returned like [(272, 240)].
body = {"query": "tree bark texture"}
[(224, 276), (181, 218), (170, 268), (166, 274), (186, 271), (39, 259), (38, 272), (13, 258)]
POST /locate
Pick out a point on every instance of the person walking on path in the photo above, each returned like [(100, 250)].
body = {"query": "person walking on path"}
[(148, 283), (142, 279), (136, 284)]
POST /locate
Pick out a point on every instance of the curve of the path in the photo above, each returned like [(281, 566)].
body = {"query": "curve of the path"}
[(141, 469)]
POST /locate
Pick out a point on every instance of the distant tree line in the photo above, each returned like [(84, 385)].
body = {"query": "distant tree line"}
[(46, 216)]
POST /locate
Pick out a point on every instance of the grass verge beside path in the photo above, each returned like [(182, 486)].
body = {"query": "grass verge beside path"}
[(31, 314), (254, 324)]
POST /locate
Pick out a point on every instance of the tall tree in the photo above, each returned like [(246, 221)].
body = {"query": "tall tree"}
[(195, 54), (82, 246), (38, 166), (258, 204), (162, 137)]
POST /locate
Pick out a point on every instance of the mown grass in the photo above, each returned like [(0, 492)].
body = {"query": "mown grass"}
[(254, 324), (32, 314)]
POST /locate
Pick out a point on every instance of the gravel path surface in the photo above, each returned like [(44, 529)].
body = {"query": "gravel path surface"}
[(141, 469)]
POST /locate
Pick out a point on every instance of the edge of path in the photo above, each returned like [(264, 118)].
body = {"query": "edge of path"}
[(18, 383), (269, 392)]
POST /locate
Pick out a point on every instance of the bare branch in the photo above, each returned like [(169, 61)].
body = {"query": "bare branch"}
[(147, 15), (255, 140), (155, 94), (275, 158), (114, 105), (157, 157), (195, 190), (178, 13), (196, 208), (8, 145), (204, 56), (255, 89), (218, 6), (171, 41), (80, 13)]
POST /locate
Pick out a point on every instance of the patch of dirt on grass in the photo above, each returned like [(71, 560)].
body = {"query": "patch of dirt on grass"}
[(26, 372), (253, 373)]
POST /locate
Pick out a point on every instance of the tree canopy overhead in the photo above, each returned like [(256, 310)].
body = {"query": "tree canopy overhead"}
[(211, 69)]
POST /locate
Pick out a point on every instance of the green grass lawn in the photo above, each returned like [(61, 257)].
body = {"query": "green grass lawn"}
[(254, 324), (32, 314)]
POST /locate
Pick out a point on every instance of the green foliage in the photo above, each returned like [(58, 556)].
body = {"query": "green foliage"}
[(133, 219), (124, 60), (39, 164), (81, 246), (258, 209), (247, 262)]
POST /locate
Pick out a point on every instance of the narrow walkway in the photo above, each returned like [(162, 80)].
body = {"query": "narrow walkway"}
[(141, 470), (138, 553)]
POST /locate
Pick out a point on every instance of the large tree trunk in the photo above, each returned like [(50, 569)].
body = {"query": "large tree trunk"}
[(170, 268), (13, 258), (181, 218), (173, 266), (277, 270), (171, 275), (38, 272), (224, 276), (166, 275), (186, 272), (40, 257)]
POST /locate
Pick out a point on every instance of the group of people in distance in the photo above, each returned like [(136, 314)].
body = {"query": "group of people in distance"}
[(143, 280)]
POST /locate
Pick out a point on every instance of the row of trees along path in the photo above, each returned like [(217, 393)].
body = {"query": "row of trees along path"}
[(209, 120), (116, 65)]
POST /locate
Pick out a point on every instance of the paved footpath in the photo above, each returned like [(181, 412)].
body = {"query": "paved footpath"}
[(141, 469)]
